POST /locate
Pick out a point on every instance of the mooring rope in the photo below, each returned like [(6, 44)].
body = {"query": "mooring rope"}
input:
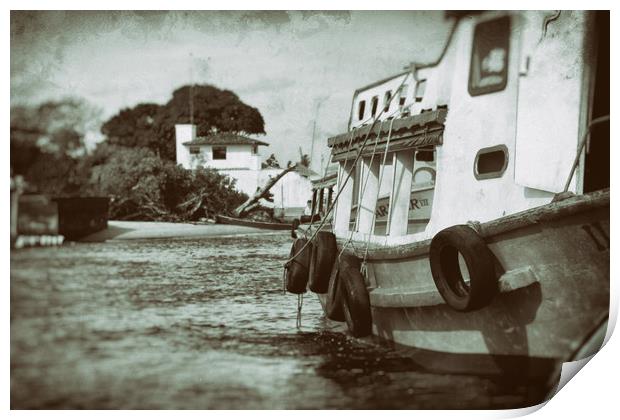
[(581, 145), (381, 173), (300, 303), (332, 205)]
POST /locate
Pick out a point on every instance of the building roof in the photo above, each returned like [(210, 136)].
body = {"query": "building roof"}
[(224, 139)]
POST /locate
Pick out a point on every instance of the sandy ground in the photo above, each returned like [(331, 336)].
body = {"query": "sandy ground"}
[(127, 230)]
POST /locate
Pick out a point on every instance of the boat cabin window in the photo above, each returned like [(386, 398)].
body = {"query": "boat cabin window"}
[(419, 90), (491, 162), (403, 95), (219, 152), (488, 70), (194, 150), (386, 101), (361, 110), (374, 106)]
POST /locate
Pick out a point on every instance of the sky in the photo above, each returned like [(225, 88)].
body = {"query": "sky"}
[(299, 69)]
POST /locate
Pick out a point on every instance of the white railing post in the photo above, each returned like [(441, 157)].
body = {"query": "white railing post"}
[(368, 197), (343, 206), (401, 193)]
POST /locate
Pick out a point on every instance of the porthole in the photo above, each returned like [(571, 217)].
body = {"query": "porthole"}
[(491, 162)]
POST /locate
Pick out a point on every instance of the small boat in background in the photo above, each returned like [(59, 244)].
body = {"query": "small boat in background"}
[(226, 220)]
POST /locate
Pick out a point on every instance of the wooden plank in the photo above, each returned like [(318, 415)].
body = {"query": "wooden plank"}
[(549, 212), (396, 297)]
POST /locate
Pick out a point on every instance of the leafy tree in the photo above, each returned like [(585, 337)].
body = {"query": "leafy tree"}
[(144, 186), (304, 160), (134, 127), (47, 142), (152, 125), (271, 162)]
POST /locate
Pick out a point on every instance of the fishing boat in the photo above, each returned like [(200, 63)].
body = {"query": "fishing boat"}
[(471, 205), (227, 220)]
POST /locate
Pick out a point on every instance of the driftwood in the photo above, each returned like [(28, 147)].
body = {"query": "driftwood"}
[(252, 202)]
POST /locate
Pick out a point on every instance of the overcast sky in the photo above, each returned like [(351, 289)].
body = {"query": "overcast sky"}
[(284, 63)]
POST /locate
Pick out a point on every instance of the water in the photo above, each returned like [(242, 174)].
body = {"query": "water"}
[(203, 323)]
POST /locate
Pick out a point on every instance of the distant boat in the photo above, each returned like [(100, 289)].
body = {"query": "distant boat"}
[(226, 220)]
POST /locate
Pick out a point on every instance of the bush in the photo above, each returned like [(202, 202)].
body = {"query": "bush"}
[(144, 186)]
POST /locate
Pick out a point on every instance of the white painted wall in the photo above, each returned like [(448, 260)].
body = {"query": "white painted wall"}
[(291, 191), (379, 91), (184, 133)]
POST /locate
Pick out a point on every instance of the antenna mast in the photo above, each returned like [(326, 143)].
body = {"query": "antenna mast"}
[(191, 88)]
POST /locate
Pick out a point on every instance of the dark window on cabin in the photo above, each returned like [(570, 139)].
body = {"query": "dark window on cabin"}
[(219, 152), (403, 95), (425, 156), (194, 150), (386, 101), (419, 90), (491, 162), (488, 70), (361, 109), (374, 106), (254, 149)]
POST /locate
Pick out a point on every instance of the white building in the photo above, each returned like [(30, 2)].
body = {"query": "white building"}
[(237, 156)]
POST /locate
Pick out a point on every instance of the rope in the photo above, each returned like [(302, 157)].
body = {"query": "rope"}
[(582, 143), (365, 183), (300, 303), (332, 205), (285, 271), (381, 172)]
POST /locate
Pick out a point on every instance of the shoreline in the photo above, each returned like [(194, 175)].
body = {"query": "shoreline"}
[(118, 230)]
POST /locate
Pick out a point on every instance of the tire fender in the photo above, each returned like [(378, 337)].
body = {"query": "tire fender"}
[(444, 261), (324, 251), (356, 302), (298, 268)]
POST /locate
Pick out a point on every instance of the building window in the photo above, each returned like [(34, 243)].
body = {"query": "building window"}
[(488, 71), (254, 149), (194, 150), (386, 101), (419, 90), (374, 106), (219, 152), (360, 110), (403, 95)]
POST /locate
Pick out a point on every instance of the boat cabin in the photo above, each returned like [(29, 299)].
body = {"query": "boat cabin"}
[(489, 129)]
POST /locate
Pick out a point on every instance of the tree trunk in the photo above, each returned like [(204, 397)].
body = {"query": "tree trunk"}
[(242, 209)]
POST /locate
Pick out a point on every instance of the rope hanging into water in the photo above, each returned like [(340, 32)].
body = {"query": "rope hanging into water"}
[(300, 303), (332, 205)]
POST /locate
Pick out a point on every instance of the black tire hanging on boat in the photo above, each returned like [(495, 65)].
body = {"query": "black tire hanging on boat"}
[(298, 268), (334, 308), (324, 252), (444, 261), (356, 302)]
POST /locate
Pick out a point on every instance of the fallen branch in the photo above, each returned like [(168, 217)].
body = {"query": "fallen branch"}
[(263, 192)]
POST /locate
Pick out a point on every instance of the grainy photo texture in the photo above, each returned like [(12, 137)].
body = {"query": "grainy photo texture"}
[(306, 209)]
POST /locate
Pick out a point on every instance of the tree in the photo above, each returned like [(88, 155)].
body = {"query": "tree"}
[(144, 186), (152, 125), (47, 142), (304, 160), (134, 127), (271, 162)]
